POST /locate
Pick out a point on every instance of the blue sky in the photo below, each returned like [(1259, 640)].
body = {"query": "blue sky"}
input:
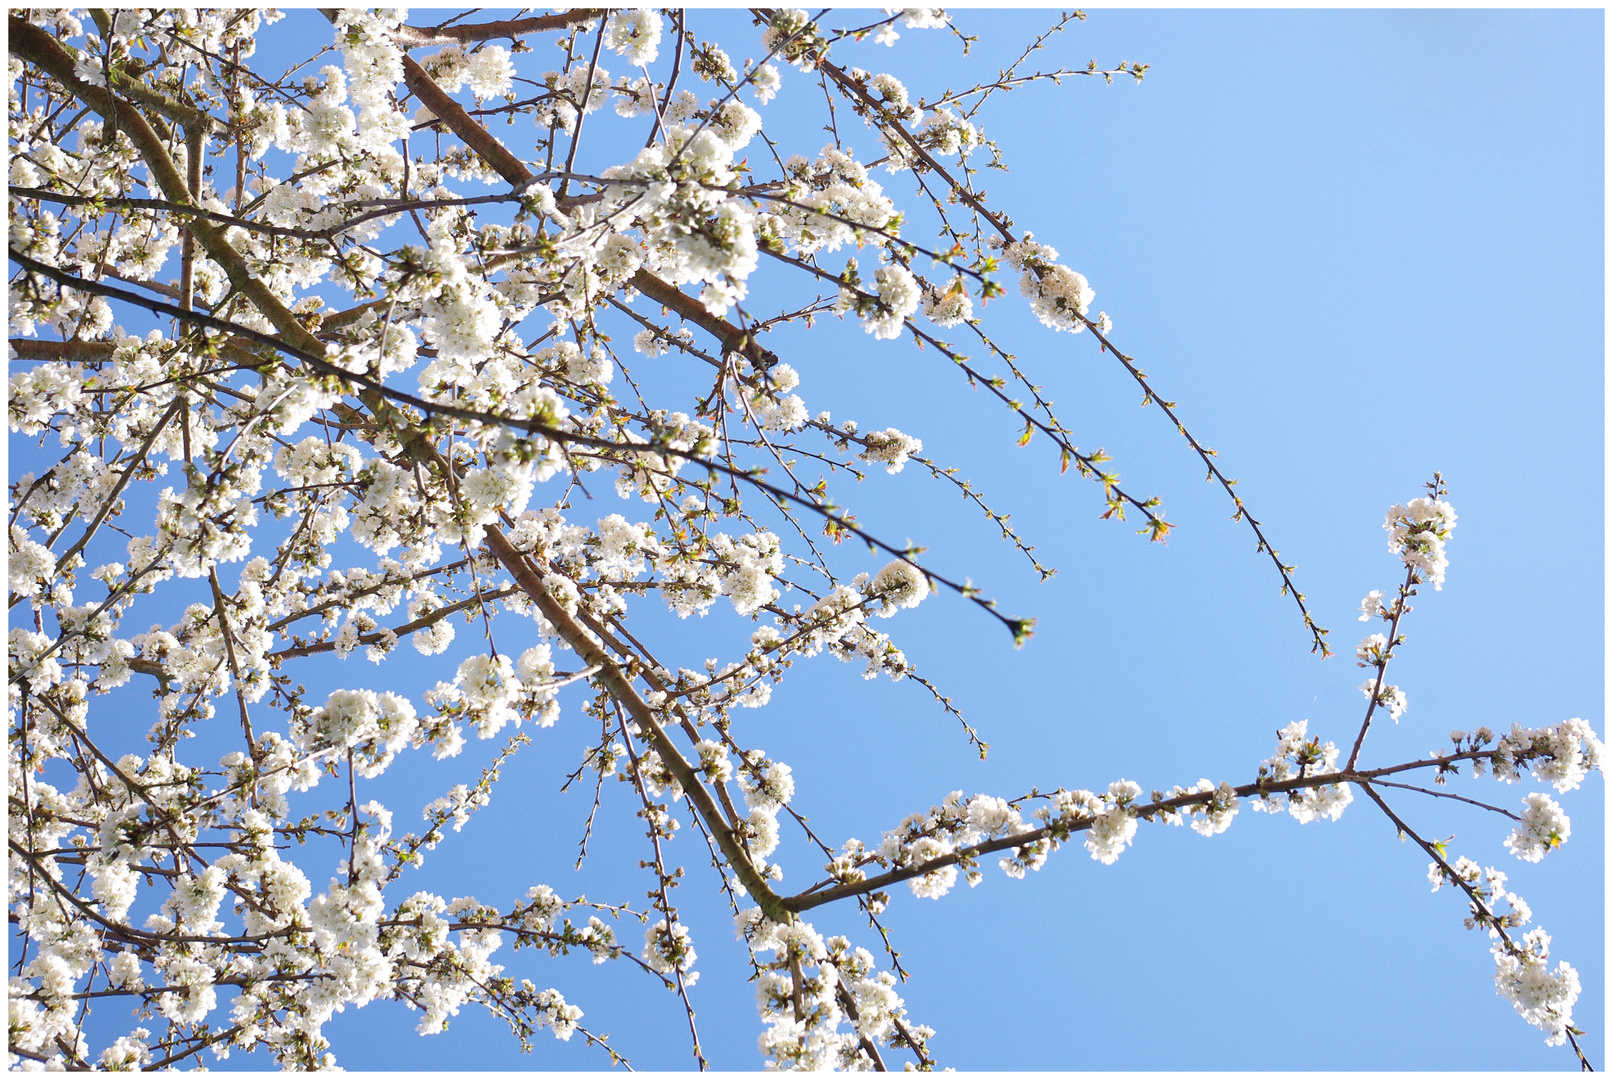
[(1354, 247)]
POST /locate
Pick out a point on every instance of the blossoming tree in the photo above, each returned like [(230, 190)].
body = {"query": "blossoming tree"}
[(369, 419)]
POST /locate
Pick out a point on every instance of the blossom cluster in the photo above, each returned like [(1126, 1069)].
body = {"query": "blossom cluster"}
[(1561, 754), (824, 1003), (930, 848), (1417, 532), (1206, 818), (1299, 757), (1542, 995), (1542, 827), (1060, 297)]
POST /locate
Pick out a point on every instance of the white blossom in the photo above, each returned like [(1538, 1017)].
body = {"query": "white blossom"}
[(1417, 533), (890, 448), (1543, 827), (1543, 996), (899, 584), (634, 34)]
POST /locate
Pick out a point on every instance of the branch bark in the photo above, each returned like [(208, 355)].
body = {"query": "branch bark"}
[(614, 680), (418, 37), (515, 172)]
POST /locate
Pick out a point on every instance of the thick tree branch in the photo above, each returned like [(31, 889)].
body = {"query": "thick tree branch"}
[(811, 899), (417, 37), (621, 688)]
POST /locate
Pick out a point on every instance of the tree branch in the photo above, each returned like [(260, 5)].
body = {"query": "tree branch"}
[(417, 37)]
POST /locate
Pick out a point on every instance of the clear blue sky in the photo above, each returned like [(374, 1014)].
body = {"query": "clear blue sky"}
[(1354, 247)]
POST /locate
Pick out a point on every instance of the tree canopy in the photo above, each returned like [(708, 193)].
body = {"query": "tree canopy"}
[(397, 395)]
